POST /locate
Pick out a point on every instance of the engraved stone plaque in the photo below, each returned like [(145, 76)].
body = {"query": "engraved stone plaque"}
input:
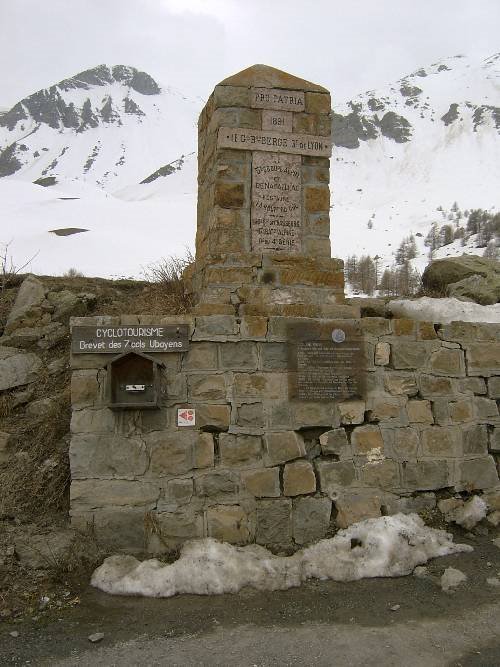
[(277, 120), (129, 338), (244, 139), (326, 369), (275, 98), (276, 202)]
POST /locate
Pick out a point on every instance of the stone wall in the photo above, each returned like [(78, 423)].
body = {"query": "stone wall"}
[(261, 467)]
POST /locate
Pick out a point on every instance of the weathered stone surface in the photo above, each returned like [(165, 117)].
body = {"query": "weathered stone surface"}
[(442, 441), (229, 523), (450, 363), (171, 451), (299, 478), (274, 356), (419, 412), (213, 417), (274, 521), (207, 387), (365, 439), (401, 443), (26, 309), (483, 359), (17, 368), (107, 455), (90, 420), (351, 412), (495, 440), (66, 304), (387, 410), (334, 442), (253, 326), (308, 414), (477, 474), (335, 476), (354, 506), (381, 474), (178, 492), (119, 528), (410, 354), (400, 384), (96, 493), (475, 440), (468, 276), (203, 456), (310, 519), (485, 407), (426, 475), (238, 356), (461, 411), (217, 483), (474, 385), (41, 551), (240, 450), (259, 385), (176, 527), (431, 386), (493, 387), (201, 356), (283, 446), (250, 414), (382, 354), (41, 408), (262, 483), (213, 327), (84, 388)]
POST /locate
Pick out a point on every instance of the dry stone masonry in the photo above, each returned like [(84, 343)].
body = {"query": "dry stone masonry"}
[(284, 414)]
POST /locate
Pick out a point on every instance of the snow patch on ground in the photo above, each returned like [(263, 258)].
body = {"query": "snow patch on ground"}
[(468, 514), (444, 310), (389, 546)]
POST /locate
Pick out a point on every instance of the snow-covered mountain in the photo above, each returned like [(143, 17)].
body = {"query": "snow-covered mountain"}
[(118, 150)]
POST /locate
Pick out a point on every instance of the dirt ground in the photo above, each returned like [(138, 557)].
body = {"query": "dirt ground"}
[(320, 623)]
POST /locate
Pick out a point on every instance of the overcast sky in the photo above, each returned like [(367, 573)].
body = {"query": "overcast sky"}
[(346, 45)]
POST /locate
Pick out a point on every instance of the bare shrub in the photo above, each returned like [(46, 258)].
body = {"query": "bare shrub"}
[(8, 270), (168, 278), (73, 273)]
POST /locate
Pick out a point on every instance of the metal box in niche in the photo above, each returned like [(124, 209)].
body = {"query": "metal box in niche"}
[(134, 382)]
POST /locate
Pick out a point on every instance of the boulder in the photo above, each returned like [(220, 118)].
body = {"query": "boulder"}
[(26, 310), (17, 368), (467, 277)]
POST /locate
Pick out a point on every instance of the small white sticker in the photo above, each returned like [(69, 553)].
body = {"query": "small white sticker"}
[(338, 335), (186, 417)]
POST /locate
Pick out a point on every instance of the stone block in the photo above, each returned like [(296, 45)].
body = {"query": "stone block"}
[(89, 420), (431, 386), (283, 446), (403, 327), (279, 414), (178, 492), (299, 479), (274, 356), (426, 475), (94, 455), (450, 363), (316, 198), (477, 474), (274, 521), (217, 483), (335, 476), (250, 415), (375, 326), (116, 529), (229, 523), (419, 412), (426, 331), (231, 96), (253, 326), (475, 440), (201, 357), (215, 327), (351, 412), (240, 450), (460, 411), (485, 407), (483, 359), (318, 103), (334, 442), (171, 451), (442, 441), (381, 474), (493, 387), (382, 354), (474, 385), (400, 384), (354, 506), (238, 356), (401, 443), (229, 195), (309, 414), (84, 388), (207, 387), (387, 409), (365, 439), (213, 417), (177, 527), (310, 519), (259, 385), (262, 483), (411, 354), (203, 456), (17, 368), (26, 309), (495, 440), (88, 494)]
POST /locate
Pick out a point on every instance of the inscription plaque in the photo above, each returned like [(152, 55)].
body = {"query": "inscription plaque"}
[(275, 98), (277, 120), (276, 202), (244, 139), (136, 338), (326, 369)]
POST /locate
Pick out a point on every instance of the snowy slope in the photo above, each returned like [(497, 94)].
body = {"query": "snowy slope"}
[(427, 141)]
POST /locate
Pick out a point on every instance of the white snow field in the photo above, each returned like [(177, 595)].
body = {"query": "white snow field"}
[(445, 310), (390, 546), (396, 185)]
